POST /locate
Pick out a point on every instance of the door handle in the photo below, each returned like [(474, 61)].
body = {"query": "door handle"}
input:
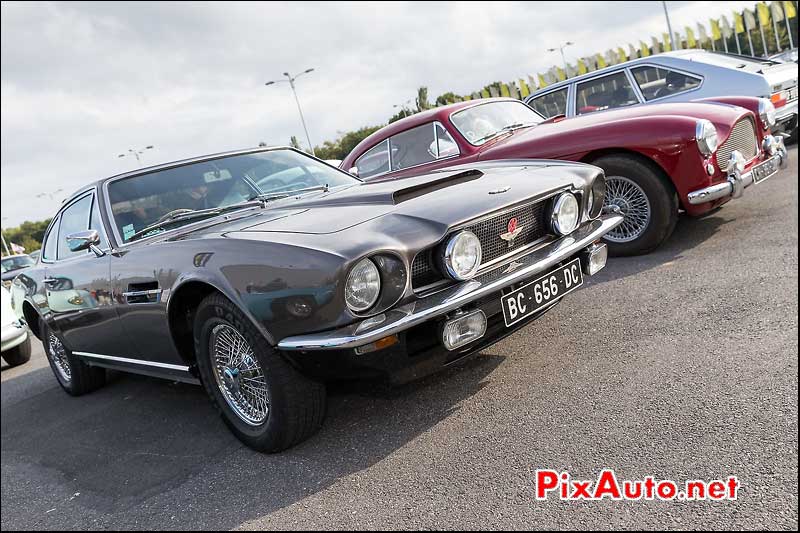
[(142, 297), (48, 281)]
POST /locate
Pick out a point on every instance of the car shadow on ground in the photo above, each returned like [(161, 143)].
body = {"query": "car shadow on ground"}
[(128, 445), (689, 233)]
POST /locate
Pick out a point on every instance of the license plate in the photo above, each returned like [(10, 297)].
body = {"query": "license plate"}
[(533, 296), (765, 170)]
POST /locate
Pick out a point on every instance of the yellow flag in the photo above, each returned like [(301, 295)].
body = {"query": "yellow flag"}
[(582, 67), (738, 22), (715, 33), (504, 90), (763, 14), (542, 81), (523, 88), (644, 49), (667, 42), (690, 40), (485, 93), (601, 61), (561, 74), (622, 55), (789, 8)]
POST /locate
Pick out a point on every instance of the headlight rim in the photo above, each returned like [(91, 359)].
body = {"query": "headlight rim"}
[(375, 300), (702, 137), (448, 254), (766, 113), (557, 205)]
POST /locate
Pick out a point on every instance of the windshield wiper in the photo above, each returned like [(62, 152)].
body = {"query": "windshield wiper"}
[(504, 129), (268, 196), (188, 215)]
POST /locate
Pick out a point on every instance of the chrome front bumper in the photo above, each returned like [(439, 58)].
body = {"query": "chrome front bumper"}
[(445, 301), (737, 180), (786, 117)]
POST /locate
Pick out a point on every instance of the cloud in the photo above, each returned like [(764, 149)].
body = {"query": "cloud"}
[(84, 82)]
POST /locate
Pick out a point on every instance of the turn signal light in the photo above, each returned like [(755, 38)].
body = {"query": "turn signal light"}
[(379, 344), (778, 99)]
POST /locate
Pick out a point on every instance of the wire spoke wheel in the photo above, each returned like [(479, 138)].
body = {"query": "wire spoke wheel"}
[(632, 201), (238, 375), (58, 354)]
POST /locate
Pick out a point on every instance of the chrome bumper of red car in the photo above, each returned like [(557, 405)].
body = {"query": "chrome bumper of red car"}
[(451, 299), (738, 180)]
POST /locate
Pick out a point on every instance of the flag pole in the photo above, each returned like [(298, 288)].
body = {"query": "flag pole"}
[(775, 29), (788, 26), (763, 37), (750, 40)]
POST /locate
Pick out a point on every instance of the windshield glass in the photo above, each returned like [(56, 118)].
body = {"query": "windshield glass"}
[(172, 195), (15, 262), (480, 123)]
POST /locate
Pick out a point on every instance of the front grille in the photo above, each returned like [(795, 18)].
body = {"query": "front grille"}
[(742, 138), (531, 218)]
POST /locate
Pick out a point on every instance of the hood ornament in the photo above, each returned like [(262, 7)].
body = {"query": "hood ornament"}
[(513, 230), (501, 190)]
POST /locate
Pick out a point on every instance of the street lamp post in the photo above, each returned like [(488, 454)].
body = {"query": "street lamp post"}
[(561, 49), (669, 26), (290, 79), (136, 153)]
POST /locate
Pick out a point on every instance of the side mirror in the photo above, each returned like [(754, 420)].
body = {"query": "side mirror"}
[(85, 240), (354, 171)]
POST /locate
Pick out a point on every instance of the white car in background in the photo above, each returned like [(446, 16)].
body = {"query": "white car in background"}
[(16, 341)]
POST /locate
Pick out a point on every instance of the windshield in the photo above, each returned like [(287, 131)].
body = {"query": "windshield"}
[(170, 197), (15, 262), (480, 123)]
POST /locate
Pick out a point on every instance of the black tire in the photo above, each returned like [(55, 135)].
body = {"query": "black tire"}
[(20, 354), (296, 404), (82, 378), (661, 196)]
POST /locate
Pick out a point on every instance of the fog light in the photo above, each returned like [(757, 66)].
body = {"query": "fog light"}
[(464, 329), (379, 344), (594, 259)]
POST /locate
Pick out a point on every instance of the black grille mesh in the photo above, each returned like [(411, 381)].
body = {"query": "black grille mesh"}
[(532, 218)]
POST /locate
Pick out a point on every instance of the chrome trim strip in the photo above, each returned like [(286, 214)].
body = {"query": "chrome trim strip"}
[(142, 293), (179, 368), (424, 309)]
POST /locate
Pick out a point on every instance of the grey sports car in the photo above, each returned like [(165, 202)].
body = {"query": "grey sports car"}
[(680, 76), (263, 273)]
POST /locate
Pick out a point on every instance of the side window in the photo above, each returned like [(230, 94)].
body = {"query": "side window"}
[(608, 92), (659, 82), (445, 145), (374, 161), (97, 223), (413, 147), (74, 218), (551, 104), (49, 248)]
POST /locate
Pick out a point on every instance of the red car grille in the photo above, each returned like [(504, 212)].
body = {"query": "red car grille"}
[(743, 138)]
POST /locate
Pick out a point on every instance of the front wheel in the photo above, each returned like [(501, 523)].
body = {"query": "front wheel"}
[(646, 200), (266, 403)]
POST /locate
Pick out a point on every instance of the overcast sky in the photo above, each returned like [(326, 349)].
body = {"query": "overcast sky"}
[(83, 82)]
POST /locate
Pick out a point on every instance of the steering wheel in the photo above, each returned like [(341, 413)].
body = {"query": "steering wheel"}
[(174, 212)]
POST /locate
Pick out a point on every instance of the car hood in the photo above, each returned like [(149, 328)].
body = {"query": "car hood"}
[(440, 198), (723, 116)]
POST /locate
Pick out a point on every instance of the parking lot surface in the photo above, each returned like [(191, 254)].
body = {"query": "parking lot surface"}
[(681, 364)]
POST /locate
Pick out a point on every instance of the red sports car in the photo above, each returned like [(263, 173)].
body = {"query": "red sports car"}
[(658, 159)]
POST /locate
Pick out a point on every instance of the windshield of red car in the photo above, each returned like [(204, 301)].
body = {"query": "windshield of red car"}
[(145, 200), (480, 123)]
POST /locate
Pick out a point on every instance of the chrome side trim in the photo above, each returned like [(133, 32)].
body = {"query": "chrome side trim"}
[(147, 293), (167, 366), (442, 302)]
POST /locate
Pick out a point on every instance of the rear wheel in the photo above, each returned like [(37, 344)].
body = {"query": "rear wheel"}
[(265, 402), (19, 354), (74, 376), (645, 199)]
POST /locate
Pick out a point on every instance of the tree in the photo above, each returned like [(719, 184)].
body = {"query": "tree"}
[(294, 143), (448, 98), (344, 144), (28, 235), (422, 99)]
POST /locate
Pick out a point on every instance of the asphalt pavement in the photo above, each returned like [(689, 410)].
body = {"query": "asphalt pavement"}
[(679, 365)]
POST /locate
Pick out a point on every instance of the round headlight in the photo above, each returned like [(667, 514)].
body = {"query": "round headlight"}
[(566, 214), (462, 255), (706, 135), (766, 111), (363, 286)]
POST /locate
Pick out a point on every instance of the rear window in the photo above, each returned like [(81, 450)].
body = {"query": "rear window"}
[(608, 92), (660, 82)]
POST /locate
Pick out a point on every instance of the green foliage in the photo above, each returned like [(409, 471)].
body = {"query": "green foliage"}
[(344, 144), (294, 143), (28, 234), (448, 98)]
